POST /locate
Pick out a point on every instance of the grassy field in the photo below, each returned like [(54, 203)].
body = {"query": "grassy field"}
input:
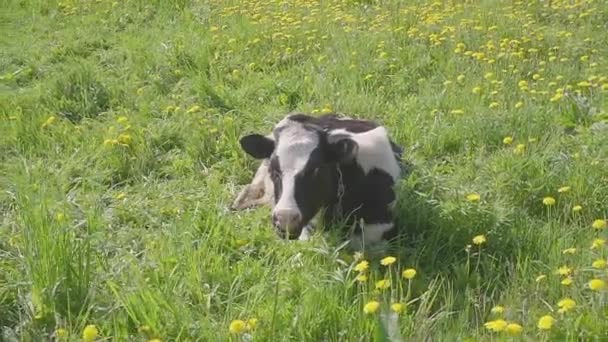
[(119, 157)]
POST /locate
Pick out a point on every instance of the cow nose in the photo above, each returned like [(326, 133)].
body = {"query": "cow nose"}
[(286, 218)]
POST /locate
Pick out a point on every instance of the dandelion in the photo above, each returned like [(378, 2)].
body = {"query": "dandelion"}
[(237, 326), (252, 323), (513, 329), (563, 189), (546, 322), (519, 104), (409, 273), (519, 149), (371, 307), (493, 105), (362, 278), (120, 195), (577, 208), (49, 121), (362, 266), (566, 305), (507, 140), (460, 78), (556, 97), (597, 284), (599, 224), (61, 333), (383, 284), (496, 325), (540, 278), (549, 201), (397, 307), (479, 239), (124, 139), (570, 250), (598, 243), (473, 197), (476, 90), (122, 119), (389, 260), (599, 264), (498, 309), (89, 333), (567, 281)]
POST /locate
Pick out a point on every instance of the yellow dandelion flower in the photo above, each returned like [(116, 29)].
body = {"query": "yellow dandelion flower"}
[(476, 90), (563, 189), (237, 326), (252, 323), (522, 84), (493, 105), (496, 325), (570, 250), (61, 333), (383, 284), (597, 284), (577, 208), (473, 197), (540, 278), (513, 329), (122, 119), (556, 97), (567, 281), (488, 76), (479, 239), (49, 121), (507, 140), (409, 273), (89, 333), (371, 307), (549, 201), (536, 77), (498, 309), (389, 260), (519, 149), (120, 195), (599, 224), (519, 104), (362, 278), (460, 78), (598, 243), (397, 307), (566, 304), (599, 264), (124, 139), (362, 266), (546, 322)]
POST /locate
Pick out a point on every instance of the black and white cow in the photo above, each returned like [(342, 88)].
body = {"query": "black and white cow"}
[(347, 167)]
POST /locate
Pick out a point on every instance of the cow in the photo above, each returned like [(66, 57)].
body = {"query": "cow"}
[(332, 164)]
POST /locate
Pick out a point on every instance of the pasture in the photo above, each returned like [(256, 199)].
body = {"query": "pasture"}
[(119, 158)]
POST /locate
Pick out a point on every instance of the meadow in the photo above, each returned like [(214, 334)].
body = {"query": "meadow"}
[(119, 158)]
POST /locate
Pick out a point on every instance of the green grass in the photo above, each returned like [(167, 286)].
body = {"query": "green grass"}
[(119, 155)]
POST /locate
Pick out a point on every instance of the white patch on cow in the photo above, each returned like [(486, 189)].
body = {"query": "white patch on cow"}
[(371, 235), (293, 151), (374, 151)]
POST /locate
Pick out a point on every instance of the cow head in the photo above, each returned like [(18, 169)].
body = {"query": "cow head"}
[(303, 159)]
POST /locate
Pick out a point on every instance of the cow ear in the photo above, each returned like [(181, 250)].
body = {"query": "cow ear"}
[(342, 149), (257, 146)]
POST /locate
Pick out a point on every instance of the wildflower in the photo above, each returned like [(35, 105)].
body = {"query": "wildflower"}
[(362, 278), (496, 325), (371, 307), (567, 281), (362, 266), (498, 309), (144, 329), (597, 284), (122, 119), (479, 239), (252, 323), (389, 260), (549, 201), (237, 326), (519, 104), (507, 140), (540, 278), (124, 139), (473, 197), (48, 121), (546, 322), (522, 84), (61, 333), (476, 90), (493, 105), (460, 78), (397, 307), (513, 329), (599, 224), (599, 263), (383, 284), (577, 208), (566, 305), (409, 273), (556, 97), (563, 189), (519, 149), (90, 333), (598, 243)]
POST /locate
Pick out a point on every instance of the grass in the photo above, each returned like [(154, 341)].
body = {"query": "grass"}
[(119, 155)]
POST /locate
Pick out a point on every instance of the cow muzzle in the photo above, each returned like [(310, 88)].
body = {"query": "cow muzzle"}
[(287, 222)]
